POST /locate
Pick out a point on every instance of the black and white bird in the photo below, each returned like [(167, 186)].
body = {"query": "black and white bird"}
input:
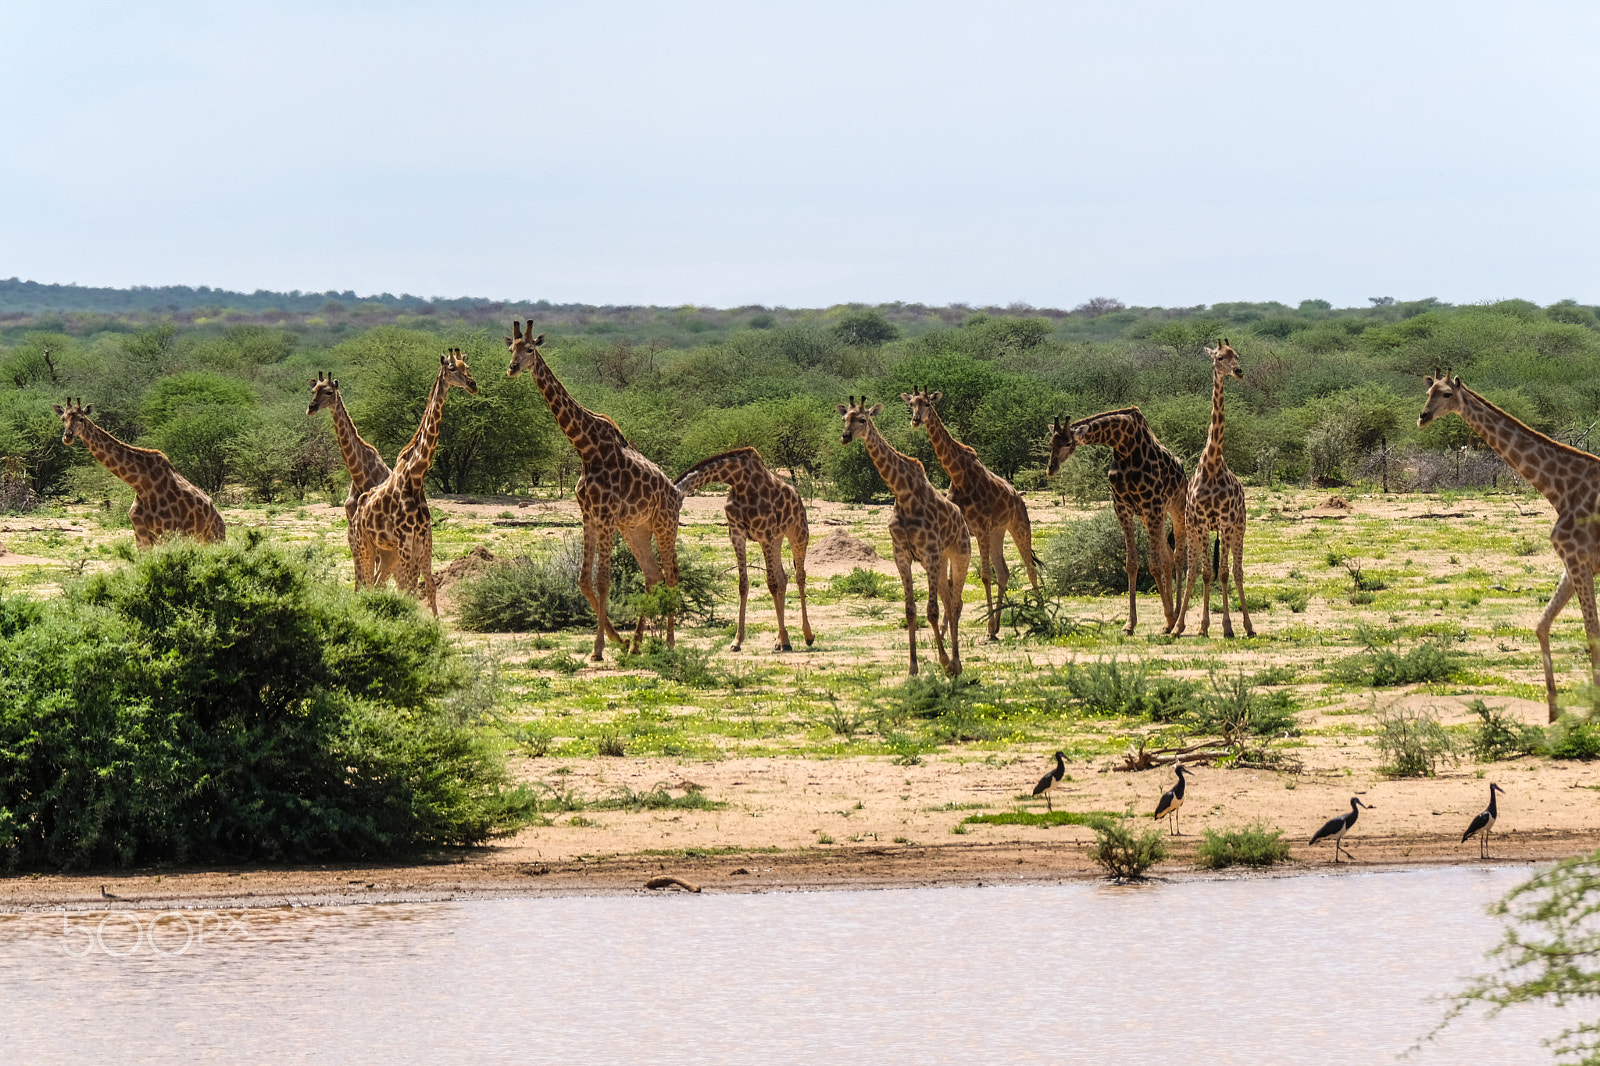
[(1171, 800), (1338, 827), (1485, 822), (1048, 781)]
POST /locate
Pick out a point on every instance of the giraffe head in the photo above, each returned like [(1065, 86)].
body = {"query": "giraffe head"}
[(921, 404), (857, 418), (1225, 360), (456, 373), (1444, 396), (1063, 442), (324, 389), (74, 417), (524, 348)]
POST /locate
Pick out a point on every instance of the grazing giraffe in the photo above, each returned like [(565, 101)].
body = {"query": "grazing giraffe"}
[(619, 491), (1568, 478), (991, 506), (164, 501), (764, 508), (1147, 484), (394, 528), (926, 528), (367, 468), (1215, 501)]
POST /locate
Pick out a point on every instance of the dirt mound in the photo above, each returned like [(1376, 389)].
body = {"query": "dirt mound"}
[(841, 547), (1334, 503), (471, 564)]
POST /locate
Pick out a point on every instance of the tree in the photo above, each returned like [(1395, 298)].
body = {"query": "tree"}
[(199, 441), (1550, 950), (865, 328)]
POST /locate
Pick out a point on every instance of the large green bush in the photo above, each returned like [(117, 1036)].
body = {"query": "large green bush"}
[(229, 703)]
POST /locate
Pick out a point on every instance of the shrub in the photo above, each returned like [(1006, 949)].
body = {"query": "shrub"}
[(227, 703), (1413, 742), (1235, 708), (861, 582), (1121, 854), (1500, 736), (1572, 737), (1090, 557), (1428, 662), (683, 664), (1253, 845), (1114, 687)]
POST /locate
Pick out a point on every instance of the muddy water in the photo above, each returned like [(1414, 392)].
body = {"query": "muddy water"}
[(1325, 970)]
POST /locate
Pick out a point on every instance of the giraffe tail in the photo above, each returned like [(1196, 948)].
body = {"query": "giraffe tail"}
[(1216, 554)]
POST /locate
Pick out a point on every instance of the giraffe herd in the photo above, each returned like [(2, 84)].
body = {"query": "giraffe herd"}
[(623, 492)]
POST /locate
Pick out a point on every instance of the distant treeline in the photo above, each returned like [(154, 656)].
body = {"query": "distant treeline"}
[(1331, 394)]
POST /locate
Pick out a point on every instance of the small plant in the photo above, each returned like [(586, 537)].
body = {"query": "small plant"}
[(1524, 546), (1295, 599), (824, 838), (861, 582), (1500, 736), (557, 662), (1234, 709), (610, 744), (1413, 742), (1116, 687), (683, 664), (843, 722), (1573, 737), (1360, 580), (1122, 855), (1428, 662), (1254, 845)]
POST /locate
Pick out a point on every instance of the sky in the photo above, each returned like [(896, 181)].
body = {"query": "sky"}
[(806, 154)]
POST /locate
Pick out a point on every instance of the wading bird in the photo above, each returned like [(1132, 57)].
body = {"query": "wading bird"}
[(1485, 822), (1048, 781), (1338, 827), (1171, 800)]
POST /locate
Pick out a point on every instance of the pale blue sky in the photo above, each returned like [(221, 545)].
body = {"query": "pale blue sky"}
[(807, 153)]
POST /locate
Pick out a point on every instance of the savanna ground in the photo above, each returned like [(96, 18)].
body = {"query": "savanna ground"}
[(752, 770)]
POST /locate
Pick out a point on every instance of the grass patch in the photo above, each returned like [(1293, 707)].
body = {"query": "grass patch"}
[(1048, 819), (862, 582), (1254, 845)]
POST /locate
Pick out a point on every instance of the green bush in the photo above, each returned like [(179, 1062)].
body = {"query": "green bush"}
[(1121, 854), (1124, 687), (1235, 708), (1253, 845), (1430, 661), (228, 703), (862, 582), (1089, 557), (1573, 737), (1500, 736), (1413, 742)]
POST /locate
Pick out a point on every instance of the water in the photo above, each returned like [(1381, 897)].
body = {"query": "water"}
[(1321, 970)]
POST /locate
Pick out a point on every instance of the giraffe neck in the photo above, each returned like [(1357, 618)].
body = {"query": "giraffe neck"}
[(958, 460), (412, 465), (1118, 430), (1211, 460), (124, 460), (1532, 454), (901, 472), (367, 468), (589, 433)]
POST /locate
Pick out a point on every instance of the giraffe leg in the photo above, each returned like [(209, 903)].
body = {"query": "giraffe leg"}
[(1022, 537), (1180, 564), (638, 541), (1194, 552), (985, 571), (902, 563), (934, 563), (594, 581), (1224, 536), (737, 537), (955, 582), (797, 548), (1160, 561), (425, 563), (1002, 577), (1130, 543), (1563, 593), (1584, 582), (778, 586), (144, 532), (1238, 578), (667, 546), (1207, 575)]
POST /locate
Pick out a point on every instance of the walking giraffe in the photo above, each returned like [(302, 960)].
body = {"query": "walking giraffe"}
[(394, 528), (925, 528), (164, 501), (1215, 501), (991, 506), (1568, 478), (367, 468), (619, 491), (1147, 485), (764, 508)]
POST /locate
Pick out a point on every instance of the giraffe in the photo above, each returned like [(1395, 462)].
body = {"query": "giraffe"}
[(164, 501), (367, 468), (394, 528), (1215, 500), (1568, 478), (926, 528), (618, 491), (991, 506), (764, 508), (1147, 484)]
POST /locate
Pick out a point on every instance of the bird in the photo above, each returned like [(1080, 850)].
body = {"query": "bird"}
[(1172, 799), (1338, 827), (1048, 781), (1485, 822)]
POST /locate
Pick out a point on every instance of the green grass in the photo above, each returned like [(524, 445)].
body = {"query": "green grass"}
[(1047, 819), (1254, 845)]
